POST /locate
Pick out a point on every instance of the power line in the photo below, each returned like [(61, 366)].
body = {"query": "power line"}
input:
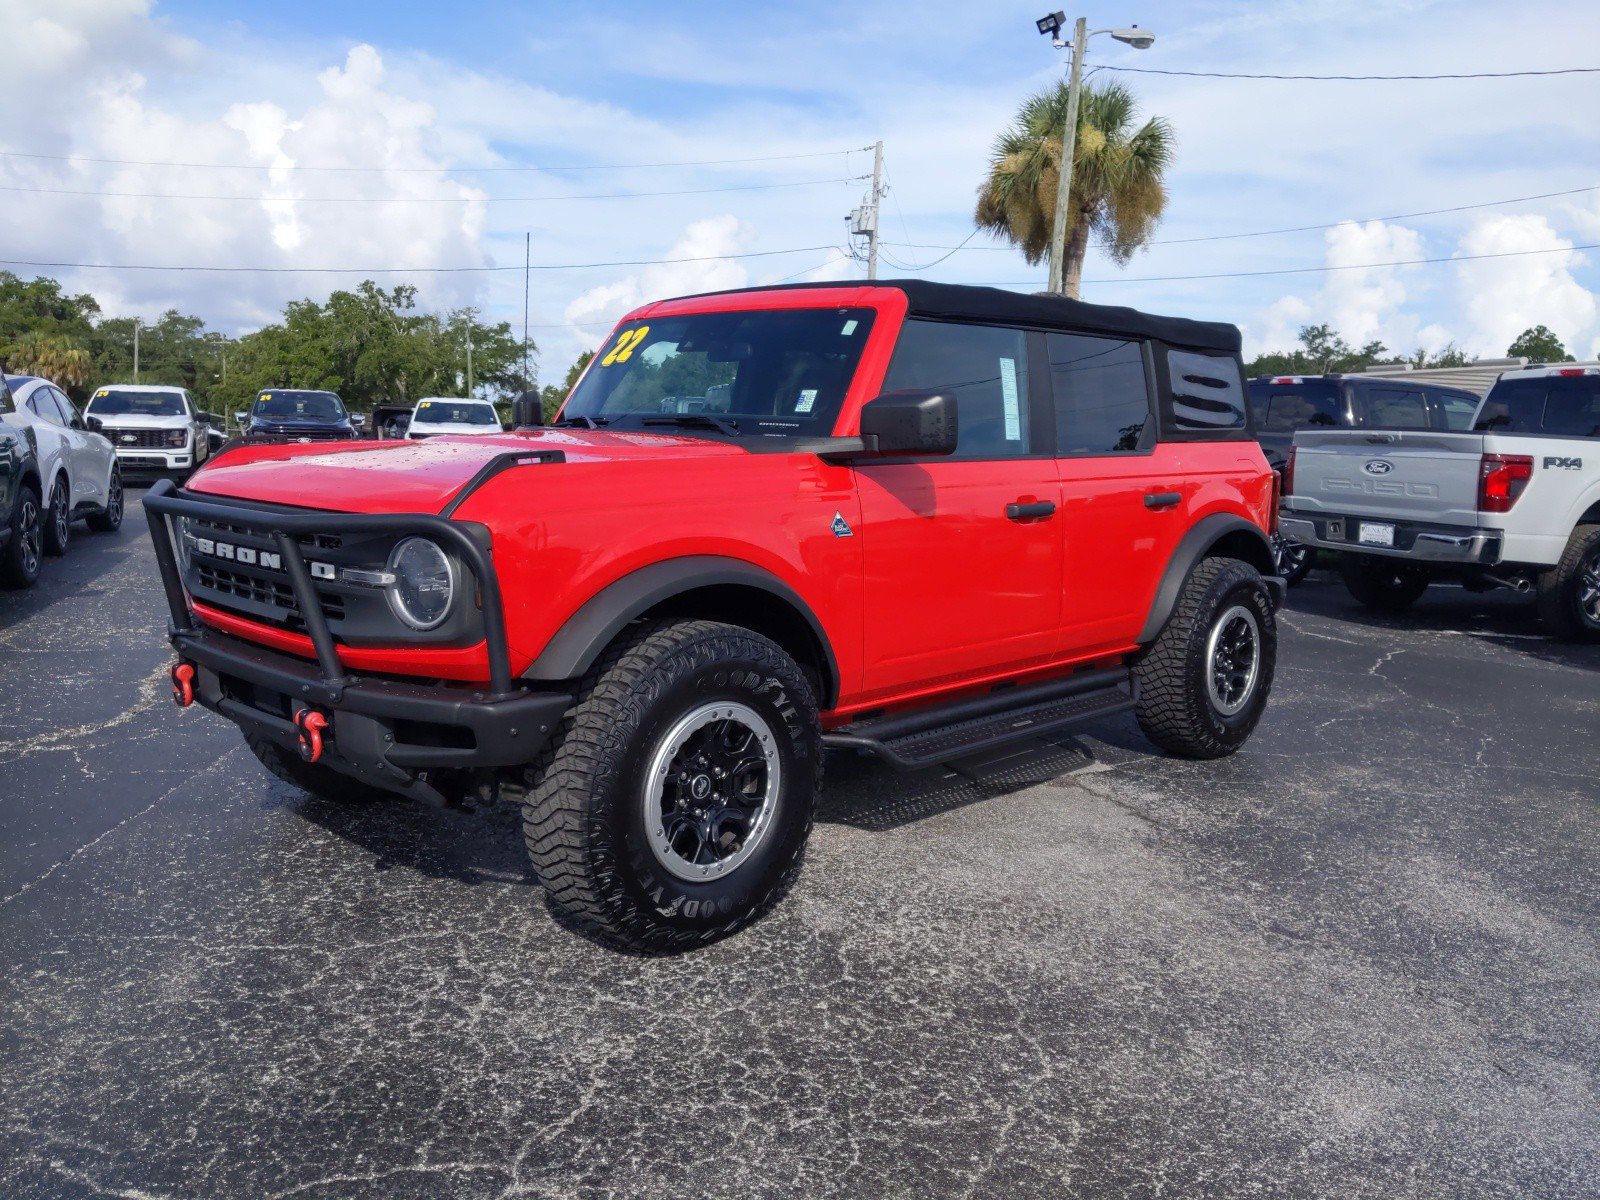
[(748, 187), (471, 170), (1406, 262), (1254, 233), (1355, 78), (632, 262)]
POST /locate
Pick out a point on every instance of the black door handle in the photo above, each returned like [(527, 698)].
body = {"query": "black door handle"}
[(1162, 499), (1028, 512)]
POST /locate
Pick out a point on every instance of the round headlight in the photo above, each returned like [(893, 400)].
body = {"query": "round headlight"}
[(424, 583)]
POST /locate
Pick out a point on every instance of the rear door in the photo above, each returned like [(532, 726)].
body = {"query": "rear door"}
[(1391, 406), (962, 555), (89, 467)]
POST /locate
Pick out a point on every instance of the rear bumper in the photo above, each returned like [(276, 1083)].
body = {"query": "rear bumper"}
[(1416, 541), (385, 732)]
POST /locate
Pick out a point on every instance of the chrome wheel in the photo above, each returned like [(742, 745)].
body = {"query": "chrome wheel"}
[(1233, 659), (711, 790), (29, 535), (1589, 591)]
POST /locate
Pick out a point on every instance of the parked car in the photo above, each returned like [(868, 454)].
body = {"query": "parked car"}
[(21, 503), (390, 421), (81, 476), (909, 519), (157, 431), (1282, 404), (1514, 503), (298, 415), (435, 415)]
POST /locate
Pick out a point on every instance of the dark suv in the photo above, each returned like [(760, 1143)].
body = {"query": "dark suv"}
[(297, 415), (1282, 404), (20, 511)]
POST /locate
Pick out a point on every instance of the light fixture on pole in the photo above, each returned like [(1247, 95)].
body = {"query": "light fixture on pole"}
[(1050, 26)]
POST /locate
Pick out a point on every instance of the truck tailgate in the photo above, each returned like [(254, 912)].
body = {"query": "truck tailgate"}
[(1412, 474)]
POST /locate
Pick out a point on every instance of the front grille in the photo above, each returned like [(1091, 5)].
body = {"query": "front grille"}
[(259, 588), (257, 592), (142, 439), (306, 435)]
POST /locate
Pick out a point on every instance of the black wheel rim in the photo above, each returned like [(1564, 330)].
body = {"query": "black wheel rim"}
[(58, 507), (1233, 659), (29, 535), (114, 500), (711, 790)]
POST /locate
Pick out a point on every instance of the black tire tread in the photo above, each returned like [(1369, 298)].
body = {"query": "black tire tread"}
[(1555, 589), (1359, 577), (101, 521), (56, 536)]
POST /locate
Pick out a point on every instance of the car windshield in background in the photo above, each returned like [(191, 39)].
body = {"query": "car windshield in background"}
[(773, 373), (1558, 405), (299, 406), (115, 402), (443, 412)]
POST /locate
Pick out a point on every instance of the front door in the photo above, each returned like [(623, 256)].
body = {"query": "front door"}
[(962, 555)]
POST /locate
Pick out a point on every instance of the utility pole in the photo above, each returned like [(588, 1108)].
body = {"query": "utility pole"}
[(864, 220), (469, 352), (136, 349), (527, 274)]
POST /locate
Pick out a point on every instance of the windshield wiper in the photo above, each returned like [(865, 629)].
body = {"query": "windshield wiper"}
[(695, 421), (581, 422)]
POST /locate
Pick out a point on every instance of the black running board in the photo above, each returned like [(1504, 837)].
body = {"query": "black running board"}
[(934, 735)]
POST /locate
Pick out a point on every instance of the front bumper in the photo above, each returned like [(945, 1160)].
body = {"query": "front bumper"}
[(1413, 540), (139, 460)]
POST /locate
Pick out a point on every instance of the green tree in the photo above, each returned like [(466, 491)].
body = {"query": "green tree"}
[(551, 396), (1321, 350), (1118, 177), (1539, 345)]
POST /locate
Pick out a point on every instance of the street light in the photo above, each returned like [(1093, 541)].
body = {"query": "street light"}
[(1050, 26)]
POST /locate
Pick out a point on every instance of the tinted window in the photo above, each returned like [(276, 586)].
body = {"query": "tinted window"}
[(445, 412), (772, 373), (287, 404), (1283, 408), (1101, 398), (1572, 407), (985, 369), (41, 404), (1395, 408), (69, 414), (1207, 391), (1458, 410), (115, 402)]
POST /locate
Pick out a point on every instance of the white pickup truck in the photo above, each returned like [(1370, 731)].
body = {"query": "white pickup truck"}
[(1514, 503)]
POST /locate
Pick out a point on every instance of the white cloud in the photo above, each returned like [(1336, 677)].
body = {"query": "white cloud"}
[(1500, 297), (700, 267)]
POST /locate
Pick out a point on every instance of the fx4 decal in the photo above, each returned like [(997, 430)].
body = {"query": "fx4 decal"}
[(1563, 464)]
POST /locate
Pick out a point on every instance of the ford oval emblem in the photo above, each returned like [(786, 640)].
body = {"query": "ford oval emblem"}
[(1378, 466)]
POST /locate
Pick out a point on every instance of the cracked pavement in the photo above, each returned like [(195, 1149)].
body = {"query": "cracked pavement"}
[(1358, 959)]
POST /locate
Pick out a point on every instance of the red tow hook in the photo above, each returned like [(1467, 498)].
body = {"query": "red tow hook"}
[(182, 684), (310, 723)]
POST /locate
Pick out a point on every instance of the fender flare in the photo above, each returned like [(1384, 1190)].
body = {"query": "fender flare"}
[(580, 641), (1194, 546)]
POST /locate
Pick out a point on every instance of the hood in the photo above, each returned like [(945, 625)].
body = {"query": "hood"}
[(369, 477), (137, 421)]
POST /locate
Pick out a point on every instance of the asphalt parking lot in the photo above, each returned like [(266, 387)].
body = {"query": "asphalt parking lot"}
[(1358, 959)]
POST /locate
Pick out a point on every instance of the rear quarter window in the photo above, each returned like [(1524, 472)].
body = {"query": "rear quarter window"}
[(1562, 406), (1207, 394)]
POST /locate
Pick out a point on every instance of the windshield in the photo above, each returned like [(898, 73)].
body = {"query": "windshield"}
[(299, 406), (1285, 407), (115, 402), (775, 373), (1560, 405), (454, 412)]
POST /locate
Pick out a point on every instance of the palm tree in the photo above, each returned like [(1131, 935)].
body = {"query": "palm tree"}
[(1117, 177), (57, 359)]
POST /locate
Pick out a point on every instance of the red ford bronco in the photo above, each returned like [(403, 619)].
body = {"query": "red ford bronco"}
[(913, 519)]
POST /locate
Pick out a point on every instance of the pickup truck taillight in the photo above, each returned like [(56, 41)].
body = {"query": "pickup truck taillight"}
[(1501, 478), (1288, 473)]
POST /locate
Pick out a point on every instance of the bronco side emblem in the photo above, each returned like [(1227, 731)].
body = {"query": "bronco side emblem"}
[(841, 527)]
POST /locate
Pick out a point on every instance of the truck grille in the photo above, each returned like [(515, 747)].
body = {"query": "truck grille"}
[(261, 588), (249, 590), (143, 439)]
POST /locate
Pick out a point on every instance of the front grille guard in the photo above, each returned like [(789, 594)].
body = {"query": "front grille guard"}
[(162, 504)]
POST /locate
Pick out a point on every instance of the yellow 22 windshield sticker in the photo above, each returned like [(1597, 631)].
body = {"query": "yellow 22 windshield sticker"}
[(626, 345)]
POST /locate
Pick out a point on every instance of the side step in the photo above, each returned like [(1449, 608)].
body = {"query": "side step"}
[(938, 734)]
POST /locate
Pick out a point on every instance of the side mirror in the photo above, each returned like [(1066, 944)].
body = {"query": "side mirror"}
[(526, 411), (910, 424)]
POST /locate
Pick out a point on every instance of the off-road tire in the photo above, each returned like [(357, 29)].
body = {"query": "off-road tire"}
[(1175, 709), (584, 804), (109, 519), (20, 557), (323, 782), (1561, 588), (1382, 584), (58, 519)]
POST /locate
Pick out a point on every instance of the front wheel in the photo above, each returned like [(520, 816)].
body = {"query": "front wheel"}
[(1204, 681), (674, 806), (1382, 584), (1569, 593)]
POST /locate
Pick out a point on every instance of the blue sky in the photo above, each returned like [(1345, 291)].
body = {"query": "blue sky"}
[(455, 89)]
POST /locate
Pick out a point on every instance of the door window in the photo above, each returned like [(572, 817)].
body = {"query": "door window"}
[(1457, 410), (1207, 391), (1396, 408), (42, 405), (1102, 396), (984, 368), (69, 414)]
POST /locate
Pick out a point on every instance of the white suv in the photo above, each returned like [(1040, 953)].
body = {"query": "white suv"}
[(156, 431), (434, 415), (79, 470)]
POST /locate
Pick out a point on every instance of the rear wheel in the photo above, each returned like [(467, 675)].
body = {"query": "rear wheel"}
[(675, 805), (58, 520), (322, 782), (1569, 593), (1292, 559), (109, 519), (1204, 681), (21, 555), (1382, 584)]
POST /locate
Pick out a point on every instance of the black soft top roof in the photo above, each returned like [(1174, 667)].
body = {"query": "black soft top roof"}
[(963, 302)]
